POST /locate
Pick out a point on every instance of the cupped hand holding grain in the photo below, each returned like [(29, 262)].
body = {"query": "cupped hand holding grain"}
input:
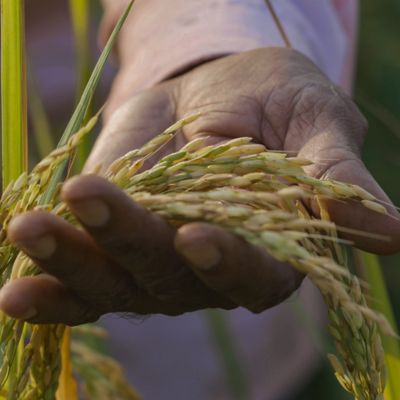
[(129, 260)]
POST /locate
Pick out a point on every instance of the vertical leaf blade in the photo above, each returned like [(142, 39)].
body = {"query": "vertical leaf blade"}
[(80, 16), (377, 289), (67, 388), (230, 359), (78, 117), (38, 117), (13, 91)]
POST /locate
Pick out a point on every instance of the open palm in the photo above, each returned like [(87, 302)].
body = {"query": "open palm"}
[(130, 260)]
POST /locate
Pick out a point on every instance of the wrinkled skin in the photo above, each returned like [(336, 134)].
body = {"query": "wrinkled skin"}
[(128, 260)]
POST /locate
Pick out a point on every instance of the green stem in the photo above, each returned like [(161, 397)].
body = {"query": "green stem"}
[(77, 119), (13, 105), (372, 272), (224, 340), (318, 337), (13, 91), (38, 117), (80, 15)]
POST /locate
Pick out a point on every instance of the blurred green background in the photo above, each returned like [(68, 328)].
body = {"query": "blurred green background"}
[(378, 94)]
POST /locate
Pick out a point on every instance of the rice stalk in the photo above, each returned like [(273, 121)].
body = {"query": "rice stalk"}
[(13, 104), (238, 186), (266, 209), (260, 199), (39, 365), (278, 23), (67, 385), (106, 382), (30, 355), (375, 281)]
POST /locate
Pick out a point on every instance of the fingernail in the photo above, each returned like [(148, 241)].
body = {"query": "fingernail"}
[(93, 213), (24, 315), (41, 248), (11, 306), (28, 314), (203, 256)]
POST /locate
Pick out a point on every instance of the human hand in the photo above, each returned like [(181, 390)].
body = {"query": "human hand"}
[(128, 260)]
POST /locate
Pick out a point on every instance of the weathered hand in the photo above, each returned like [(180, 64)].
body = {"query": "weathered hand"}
[(128, 260)]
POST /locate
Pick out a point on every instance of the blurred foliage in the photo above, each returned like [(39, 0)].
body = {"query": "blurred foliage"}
[(378, 89), (378, 92)]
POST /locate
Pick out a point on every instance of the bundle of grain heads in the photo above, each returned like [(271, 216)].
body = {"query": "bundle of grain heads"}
[(239, 186)]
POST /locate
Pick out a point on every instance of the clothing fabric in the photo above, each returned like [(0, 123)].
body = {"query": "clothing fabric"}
[(174, 358), (167, 37)]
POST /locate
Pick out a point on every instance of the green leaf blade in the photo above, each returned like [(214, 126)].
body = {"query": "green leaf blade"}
[(80, 16), (78, 117), (13, 79), (391, 345)]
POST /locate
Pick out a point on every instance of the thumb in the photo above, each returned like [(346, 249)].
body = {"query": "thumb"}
[(132, 125), (336, 159)]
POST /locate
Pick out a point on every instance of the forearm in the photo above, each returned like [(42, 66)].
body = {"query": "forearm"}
[(162, 38), (178, 32)]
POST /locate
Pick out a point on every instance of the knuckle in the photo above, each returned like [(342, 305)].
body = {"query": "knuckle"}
[(259, 307), (118, 294), (118, 298), (266, 302), (121, 247), (182, 285), (84, 314), (321, 106), (280, 292), (230, 286), (363, 127)]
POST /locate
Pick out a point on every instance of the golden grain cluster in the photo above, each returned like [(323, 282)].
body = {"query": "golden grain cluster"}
[(239, 186)]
